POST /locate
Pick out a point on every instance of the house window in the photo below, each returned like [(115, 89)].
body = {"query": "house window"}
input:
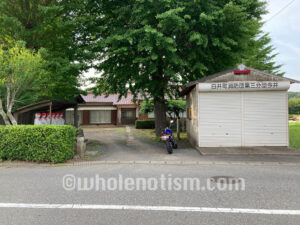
[(100, 116), (128, 113), (151, 115)]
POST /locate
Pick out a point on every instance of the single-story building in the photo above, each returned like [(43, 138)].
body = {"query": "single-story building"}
[(105, 110), (109, 110), (238, 107)]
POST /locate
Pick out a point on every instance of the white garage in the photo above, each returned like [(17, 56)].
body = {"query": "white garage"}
[(239, 107)]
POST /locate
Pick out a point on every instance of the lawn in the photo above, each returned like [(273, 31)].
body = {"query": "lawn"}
[(149, 134), (295, 135)]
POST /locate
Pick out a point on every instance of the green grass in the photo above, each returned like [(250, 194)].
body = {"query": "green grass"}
[(149, 134), (121, 131), (92, 144), (146, 134), (295, 135)]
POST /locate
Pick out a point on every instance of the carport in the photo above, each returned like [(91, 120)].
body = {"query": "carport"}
[(25, 115)]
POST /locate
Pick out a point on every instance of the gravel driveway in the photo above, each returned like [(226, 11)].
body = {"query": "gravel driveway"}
[(120, 143)]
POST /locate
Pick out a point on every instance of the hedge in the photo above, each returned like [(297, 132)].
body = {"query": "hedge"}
[(144, 124), (39, 143)]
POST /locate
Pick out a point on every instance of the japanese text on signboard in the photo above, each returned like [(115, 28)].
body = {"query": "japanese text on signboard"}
[(244, 85)]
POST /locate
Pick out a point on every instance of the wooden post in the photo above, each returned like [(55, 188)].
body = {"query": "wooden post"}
[(76, 116), (50, 112)]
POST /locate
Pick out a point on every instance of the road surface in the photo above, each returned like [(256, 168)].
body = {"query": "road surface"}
[(37, 195)]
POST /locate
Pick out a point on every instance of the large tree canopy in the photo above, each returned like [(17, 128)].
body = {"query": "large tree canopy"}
[(260, 55), (152, 46), (47, 24)]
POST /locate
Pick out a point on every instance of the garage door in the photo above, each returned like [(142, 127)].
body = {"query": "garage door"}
[(243, 119), (265, 119), (220, 119)]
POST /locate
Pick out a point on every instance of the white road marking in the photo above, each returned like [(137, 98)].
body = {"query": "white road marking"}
[(151, 208)]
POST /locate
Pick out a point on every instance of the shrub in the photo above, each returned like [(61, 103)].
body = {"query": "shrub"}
[(144, 124), (294, 105), (39, 143)]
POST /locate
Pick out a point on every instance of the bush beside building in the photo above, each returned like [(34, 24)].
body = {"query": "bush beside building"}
[(144, 124), (39, 143)]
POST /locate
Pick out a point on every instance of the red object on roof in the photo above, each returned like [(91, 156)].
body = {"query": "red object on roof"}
[(112, 98), (242, 71)]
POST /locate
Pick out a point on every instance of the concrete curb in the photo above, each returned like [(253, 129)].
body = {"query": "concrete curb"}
[(236, 151), (181, 163), (142, 162), (250, 154)]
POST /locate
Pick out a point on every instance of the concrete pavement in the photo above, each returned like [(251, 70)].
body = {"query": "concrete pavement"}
[(122, 145), (119, 144)]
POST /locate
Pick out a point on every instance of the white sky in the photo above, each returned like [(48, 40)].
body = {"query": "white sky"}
[(284, 29)]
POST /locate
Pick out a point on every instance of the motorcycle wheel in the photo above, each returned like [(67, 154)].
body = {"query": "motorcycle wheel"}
[(169, 147), (175, 146)]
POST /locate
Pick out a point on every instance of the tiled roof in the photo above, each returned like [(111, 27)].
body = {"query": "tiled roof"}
[(112, 98)]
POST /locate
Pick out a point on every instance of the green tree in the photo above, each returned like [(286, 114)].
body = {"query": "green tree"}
[(174, 108), (47, 24), (294, 106), (294, 94), (260, 55), (153, 46), (19, 68)]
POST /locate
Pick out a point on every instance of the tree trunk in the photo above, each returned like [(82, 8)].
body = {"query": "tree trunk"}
[(10, 103), (4, 117), (160, 115), (3, 114), (12, 118), (178, 128)]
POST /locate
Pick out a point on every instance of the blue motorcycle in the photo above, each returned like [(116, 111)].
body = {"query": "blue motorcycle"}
[(170, 142)]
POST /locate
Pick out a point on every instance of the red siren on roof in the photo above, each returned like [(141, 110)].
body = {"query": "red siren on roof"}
[(242, 70)]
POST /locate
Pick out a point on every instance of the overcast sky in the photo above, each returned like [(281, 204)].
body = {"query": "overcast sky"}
[(283, 24), (284, 29)]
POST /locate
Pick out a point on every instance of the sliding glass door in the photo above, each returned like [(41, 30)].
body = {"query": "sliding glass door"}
[(100, 116)]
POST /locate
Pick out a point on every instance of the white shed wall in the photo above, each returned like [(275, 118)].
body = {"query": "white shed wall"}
[(265, 119), (258, 118), (220, 119)]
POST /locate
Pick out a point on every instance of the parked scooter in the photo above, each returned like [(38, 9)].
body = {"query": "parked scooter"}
[(169, 139)]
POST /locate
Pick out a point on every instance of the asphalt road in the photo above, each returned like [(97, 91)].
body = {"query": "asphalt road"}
[(266, 187)]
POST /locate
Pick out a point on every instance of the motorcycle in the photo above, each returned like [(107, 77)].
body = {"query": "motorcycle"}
[(169, 139)]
